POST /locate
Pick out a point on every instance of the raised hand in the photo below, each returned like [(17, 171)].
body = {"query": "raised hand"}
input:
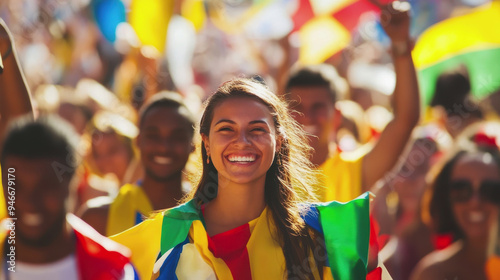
[(5, 43), (395, 19)]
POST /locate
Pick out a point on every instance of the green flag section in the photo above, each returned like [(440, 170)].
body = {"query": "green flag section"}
[(472, 39), (346, 228), (176, 224), (484, 71)]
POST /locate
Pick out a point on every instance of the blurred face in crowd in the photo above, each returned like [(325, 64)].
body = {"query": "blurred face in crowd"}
[(316, 111), (74, 116), (242, 140), (40, 198), (474, 188), (165, 142), (111, 154)]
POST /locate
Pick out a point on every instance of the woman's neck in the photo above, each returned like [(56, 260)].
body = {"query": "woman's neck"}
[(475, 250), (235, 205), (164, 194)]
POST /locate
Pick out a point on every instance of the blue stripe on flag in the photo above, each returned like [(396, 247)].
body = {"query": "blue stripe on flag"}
[(167, 270), (138, 218)]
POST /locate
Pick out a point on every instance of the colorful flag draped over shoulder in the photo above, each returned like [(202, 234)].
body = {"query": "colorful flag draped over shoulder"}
[(472, 39), (325, 26), (187, 251)]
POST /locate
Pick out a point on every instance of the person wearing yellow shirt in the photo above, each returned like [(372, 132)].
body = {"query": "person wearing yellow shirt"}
[(312, 92), (166, 129)]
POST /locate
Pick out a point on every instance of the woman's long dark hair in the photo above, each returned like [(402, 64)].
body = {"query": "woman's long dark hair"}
[(290, 172)]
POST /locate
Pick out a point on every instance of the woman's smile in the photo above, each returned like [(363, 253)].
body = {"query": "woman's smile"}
[(245, 159)]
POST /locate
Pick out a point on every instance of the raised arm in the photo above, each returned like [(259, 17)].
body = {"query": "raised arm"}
[(14, 93), (406, 101)]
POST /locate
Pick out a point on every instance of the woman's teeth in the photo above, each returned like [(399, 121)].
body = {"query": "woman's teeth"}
[(241, 159)]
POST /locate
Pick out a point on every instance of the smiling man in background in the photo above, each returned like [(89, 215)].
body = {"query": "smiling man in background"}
[(165, 142)]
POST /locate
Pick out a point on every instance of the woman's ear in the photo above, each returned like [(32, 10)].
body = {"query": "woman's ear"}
[(205, 144)]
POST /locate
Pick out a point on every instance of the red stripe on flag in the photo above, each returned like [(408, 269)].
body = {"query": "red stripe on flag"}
[(231, 247), (375, 274), (349, 15), (302, 15)]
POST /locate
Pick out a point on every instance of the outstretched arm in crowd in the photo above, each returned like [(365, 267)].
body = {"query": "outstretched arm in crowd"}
[(406, 102), (14, 93)]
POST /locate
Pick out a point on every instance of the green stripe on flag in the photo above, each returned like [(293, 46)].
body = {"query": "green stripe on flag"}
[(346, 227), (176, 224), (484, 72)]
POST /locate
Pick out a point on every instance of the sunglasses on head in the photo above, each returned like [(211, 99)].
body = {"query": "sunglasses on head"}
[(462, 191)]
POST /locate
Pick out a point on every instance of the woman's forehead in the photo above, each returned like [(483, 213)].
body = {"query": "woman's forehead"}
[(477, 165), (241, 108)]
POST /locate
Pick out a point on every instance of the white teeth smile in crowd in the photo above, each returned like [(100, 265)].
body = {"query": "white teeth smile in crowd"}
[(241, 159), (162, 160), (32, 219), (476, 217)]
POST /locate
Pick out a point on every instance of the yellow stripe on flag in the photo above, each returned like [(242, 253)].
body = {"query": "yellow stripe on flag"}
[(320, 38), (198, 235), (471, 32)]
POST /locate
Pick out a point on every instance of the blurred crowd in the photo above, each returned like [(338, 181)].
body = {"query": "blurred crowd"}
[(436, 203)]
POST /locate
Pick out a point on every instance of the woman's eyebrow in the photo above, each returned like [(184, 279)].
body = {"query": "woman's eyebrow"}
[(225, 120), (258, 122), (232, 122)]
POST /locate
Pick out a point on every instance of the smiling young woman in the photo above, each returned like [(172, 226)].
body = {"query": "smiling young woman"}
[(464, 203), (245, 219)]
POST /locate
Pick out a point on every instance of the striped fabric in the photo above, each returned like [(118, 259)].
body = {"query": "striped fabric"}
[(251, 252), (325, 26), (472, 39)]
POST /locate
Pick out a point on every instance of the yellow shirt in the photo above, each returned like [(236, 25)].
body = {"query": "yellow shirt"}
[(129, 208), (3, 206), (342, 176)]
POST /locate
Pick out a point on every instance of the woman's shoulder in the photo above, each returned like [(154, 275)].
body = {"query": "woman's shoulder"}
[(436, 264), (143, 229)]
